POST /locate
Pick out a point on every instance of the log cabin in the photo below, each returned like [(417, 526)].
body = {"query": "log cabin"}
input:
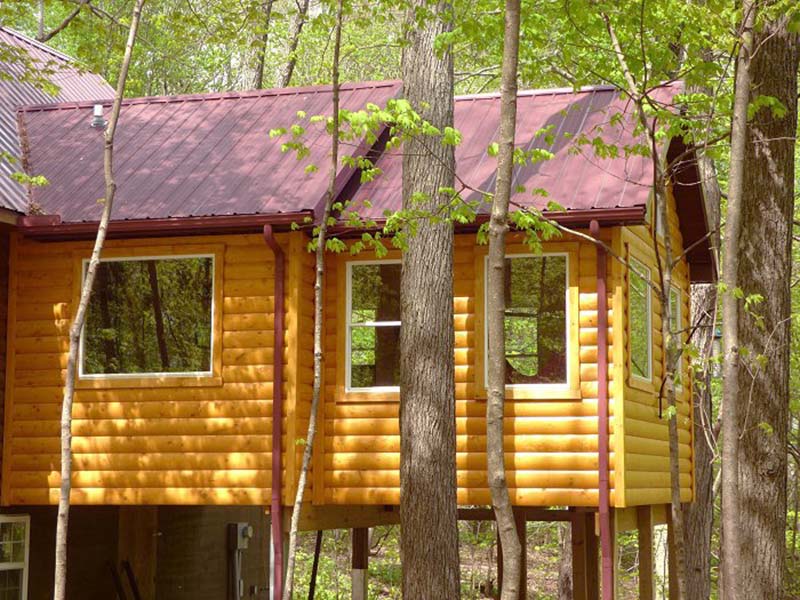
[(195, 371)]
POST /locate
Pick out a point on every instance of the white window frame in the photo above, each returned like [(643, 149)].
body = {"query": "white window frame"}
[(153, 374), (678, 327), (349, 325), (644, 272), (24, 565), (555, 387)]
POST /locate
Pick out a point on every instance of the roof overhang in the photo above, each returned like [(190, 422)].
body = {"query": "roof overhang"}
[(50, 228)]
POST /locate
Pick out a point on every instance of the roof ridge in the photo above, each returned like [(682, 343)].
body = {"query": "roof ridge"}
[(37, 44), (234, 95)]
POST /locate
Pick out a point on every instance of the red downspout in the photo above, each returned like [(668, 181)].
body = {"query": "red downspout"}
[(276, 509), (607, 560)]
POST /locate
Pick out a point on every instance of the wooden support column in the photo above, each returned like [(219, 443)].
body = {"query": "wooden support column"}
[(360, 563), (644, 526), (672, 566), (585, 573)]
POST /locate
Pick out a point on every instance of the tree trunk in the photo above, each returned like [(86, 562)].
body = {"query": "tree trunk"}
[(729, 519), (62, 521), (699, 515), (428, 503), (294, 41), (765, 268), (263, 45), (496, 309), (319, 286)]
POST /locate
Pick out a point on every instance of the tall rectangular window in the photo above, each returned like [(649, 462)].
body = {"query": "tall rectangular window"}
[(14, 538), (535, 324), (150, 316), (677, 326), (639, 320), (373, 325)]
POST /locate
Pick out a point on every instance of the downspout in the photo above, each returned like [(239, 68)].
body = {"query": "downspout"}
[(276, 508), (606, 546)]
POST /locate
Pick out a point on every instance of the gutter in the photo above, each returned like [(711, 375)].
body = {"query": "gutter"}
[(575, 219), (606, 546), (50, 228), (276, 508)]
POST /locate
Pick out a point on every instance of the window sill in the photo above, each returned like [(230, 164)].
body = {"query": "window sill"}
[(158, 381), (368, 396), (538, 392), (643, 385)]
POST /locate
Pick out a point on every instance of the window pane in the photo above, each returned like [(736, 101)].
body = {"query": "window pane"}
[(535, 323), (374, 356), (375, 293), (639, 306), (11, 584), (677, 326), (150, 316)]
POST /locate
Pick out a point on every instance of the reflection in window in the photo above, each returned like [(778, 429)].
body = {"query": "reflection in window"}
[(13, 556), (639, 318), (150, 316), (374, 325), (536, 319), (677, 326)]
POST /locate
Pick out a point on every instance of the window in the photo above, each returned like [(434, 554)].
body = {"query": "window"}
[(677, 326), (640, 320), (14, 537), (536, 319), (150, 316), (373, 325)]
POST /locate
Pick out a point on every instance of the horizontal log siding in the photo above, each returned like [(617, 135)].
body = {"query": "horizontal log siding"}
[(646, 435), (551, 443), (150, 444)]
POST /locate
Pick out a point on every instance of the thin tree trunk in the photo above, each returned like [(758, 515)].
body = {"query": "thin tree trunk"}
[(671, 341), (428, 502), (729, 519), (62, 522), (263, 41), (294, 41), (158, 315), (765, 268), (496, 308), (565, 584), (319, 285), (699, 515)]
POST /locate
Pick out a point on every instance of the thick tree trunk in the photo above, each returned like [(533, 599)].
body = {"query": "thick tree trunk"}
[(319, 286), (729, 519), (62, 520), (765, 267), (496, 310), (428, 515)]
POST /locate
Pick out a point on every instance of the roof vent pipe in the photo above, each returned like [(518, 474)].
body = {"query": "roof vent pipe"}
[(98, 122)]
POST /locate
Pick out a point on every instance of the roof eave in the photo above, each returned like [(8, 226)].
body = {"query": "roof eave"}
[(49, 228)]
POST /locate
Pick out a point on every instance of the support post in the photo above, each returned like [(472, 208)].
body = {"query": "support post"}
[(592, 559), (360, 564), (579, 556), (672, 566), (644, 526)]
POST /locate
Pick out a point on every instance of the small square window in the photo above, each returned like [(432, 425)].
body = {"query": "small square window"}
[(373, 325), (150, 317)]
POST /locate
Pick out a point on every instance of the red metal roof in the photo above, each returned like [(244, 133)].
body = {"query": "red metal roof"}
[(73, 85), (187, 156), (211, 156), (575, 177)]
